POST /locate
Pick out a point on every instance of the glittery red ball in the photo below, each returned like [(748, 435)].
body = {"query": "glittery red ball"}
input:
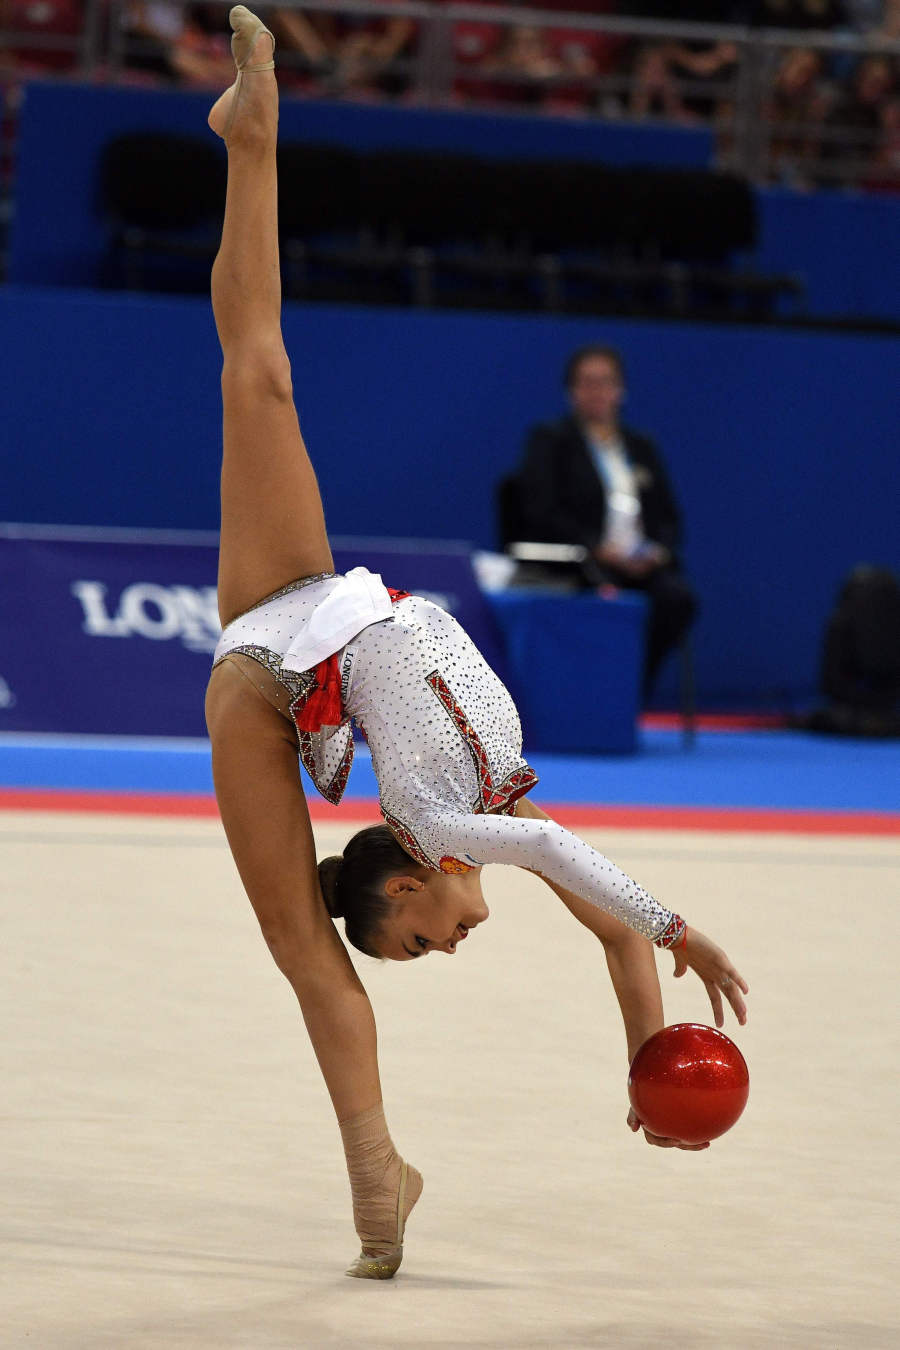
[(688, 1082)]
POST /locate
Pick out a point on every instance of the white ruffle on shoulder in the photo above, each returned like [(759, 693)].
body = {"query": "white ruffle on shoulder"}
[(309, 621)]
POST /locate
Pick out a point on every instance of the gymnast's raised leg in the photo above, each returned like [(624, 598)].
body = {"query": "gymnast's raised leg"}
[(273, 532)]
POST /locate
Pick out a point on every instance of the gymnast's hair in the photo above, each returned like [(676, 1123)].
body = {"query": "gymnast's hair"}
[(353, 884)]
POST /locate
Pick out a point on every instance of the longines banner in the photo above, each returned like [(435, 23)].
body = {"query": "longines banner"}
[(111, 631)]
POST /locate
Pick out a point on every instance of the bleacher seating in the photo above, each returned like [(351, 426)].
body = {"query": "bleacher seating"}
[(450, 230)]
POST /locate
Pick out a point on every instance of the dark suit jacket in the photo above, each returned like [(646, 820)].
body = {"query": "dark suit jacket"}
[(563, 498)]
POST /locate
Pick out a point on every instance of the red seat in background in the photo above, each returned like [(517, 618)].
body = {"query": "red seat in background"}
[(578, 48), (474, 43), (57, 18)]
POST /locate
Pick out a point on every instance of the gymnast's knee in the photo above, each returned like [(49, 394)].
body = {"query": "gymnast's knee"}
[(256, 370)]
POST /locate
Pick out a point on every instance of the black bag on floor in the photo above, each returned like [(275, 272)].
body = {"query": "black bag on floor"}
[(861, 658)]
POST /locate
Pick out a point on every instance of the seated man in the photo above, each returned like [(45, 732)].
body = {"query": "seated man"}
[(587, 480)]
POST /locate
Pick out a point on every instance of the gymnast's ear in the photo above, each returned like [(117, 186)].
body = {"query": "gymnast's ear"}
[(397, 887)]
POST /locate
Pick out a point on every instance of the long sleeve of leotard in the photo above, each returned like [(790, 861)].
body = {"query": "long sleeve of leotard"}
[(545, 847)]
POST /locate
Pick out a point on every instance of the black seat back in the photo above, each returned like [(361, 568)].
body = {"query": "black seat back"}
[(319, 189), (511, 524), (160, 181)]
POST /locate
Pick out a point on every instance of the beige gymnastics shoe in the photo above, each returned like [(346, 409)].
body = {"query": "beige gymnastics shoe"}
[(384, 1264), (247, 29)]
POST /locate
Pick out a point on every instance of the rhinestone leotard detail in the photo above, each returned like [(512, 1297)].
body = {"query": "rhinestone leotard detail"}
[(446, 747)]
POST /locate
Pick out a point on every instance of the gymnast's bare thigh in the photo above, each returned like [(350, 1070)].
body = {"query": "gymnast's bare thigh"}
[(261, 800), (244, 721), (259, 679)]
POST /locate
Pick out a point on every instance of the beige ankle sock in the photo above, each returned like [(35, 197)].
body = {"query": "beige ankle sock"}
[(384, 1190)]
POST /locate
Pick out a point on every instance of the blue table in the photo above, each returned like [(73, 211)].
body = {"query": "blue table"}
[(573, 665)]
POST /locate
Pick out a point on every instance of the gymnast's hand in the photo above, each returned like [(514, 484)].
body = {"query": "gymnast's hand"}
[(657, 1139), (716, 971)]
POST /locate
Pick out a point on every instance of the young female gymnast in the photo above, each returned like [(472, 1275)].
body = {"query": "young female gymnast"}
[(302, 652)]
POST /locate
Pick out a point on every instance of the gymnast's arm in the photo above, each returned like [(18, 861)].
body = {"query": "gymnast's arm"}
[(629, 957), (541, 845), (632, 969)]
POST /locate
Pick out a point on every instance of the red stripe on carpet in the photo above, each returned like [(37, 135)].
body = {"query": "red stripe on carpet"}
[(724, 818), (740, 819), (112, 803), (673, 721)]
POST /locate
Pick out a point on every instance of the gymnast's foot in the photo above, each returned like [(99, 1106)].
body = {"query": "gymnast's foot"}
[(388, 1211), (384, 1189), (255, 91)]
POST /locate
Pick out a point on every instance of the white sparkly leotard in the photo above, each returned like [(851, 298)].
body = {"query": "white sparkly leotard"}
[(443, 731)]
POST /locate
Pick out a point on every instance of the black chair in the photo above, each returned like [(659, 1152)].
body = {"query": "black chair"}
[(571, 566), (328, 247), (448, 230), (568, 566), (163, 196), (461, 225)]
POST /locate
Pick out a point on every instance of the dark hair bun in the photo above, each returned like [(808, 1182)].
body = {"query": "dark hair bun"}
[(329, 878)]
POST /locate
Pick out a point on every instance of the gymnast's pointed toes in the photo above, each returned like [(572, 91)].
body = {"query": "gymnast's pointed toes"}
[(382, 1267), (247, 30), (239, 16)]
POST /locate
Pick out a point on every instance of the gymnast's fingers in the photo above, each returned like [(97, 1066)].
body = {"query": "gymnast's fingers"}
[(734, 987), (715, 998), (659, 1141)]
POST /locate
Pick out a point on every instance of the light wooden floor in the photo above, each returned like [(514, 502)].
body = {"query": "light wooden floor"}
[(171, 1174)]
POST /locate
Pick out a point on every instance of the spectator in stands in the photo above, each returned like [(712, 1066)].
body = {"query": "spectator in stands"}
[(371, 53), (685, 79), (706, 72), (653, 87), (588, 480), (523, 67), (888, 30), (150, 34), (798, 14), (476, 45), (795, 113), (864, 15), (888, 156), (589, 59), (173, 41), (854, 127), (307, 38), (553, 66), (859, 109), (885, 176)]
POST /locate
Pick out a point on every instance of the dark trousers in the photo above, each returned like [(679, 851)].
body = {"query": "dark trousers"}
[(672, 609)]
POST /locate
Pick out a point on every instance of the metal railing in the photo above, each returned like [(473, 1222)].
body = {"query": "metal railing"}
[(763, 128)]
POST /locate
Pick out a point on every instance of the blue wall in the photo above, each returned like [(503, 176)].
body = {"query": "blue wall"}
[(783, 446), (845, 246)]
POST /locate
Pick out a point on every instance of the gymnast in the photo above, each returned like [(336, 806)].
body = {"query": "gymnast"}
[(303, 651)]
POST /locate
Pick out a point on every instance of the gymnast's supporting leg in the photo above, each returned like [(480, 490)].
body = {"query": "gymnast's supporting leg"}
[(273, 531), (266, 820)]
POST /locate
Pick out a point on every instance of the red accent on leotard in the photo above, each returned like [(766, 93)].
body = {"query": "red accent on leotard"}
[(322, 706)]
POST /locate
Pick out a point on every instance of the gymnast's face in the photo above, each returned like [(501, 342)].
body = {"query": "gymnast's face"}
[(431, 912)]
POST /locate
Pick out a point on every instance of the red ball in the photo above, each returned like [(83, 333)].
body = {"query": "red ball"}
[(688, 1082)]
